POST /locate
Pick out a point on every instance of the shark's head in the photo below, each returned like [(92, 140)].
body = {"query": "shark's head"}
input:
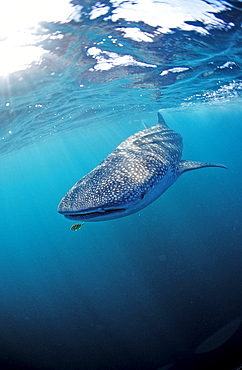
[(108, 192), (83, 203)]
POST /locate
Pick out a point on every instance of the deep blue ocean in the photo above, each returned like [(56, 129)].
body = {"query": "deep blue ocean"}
[(162, 288)]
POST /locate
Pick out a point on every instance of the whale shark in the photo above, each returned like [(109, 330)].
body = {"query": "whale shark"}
[(135, 174)]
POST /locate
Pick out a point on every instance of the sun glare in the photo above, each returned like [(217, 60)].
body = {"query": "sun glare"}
[(21, 30), (19, 26)]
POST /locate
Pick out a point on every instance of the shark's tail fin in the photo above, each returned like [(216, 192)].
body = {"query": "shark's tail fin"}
[(192, 165)]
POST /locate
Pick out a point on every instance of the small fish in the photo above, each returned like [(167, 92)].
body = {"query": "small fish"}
[(76, 227)]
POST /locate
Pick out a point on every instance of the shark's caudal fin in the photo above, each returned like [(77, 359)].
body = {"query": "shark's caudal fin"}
[(192, 165)]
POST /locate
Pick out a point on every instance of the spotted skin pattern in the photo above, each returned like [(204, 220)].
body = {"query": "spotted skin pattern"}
[(137, 172)]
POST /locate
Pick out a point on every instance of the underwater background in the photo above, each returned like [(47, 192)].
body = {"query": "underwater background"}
[(162, 288)]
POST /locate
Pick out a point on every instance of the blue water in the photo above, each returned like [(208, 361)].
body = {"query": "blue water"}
[(141, 292)]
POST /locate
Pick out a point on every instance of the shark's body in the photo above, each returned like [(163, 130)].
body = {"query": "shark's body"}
[(136, 173)]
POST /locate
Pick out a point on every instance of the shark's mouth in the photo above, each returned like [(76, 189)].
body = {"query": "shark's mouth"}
[(93, 214)]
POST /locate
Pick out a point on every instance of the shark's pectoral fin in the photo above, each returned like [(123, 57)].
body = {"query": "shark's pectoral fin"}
[(192, 165)]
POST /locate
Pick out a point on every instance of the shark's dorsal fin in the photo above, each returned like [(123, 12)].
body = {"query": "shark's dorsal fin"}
[(161, 120)]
